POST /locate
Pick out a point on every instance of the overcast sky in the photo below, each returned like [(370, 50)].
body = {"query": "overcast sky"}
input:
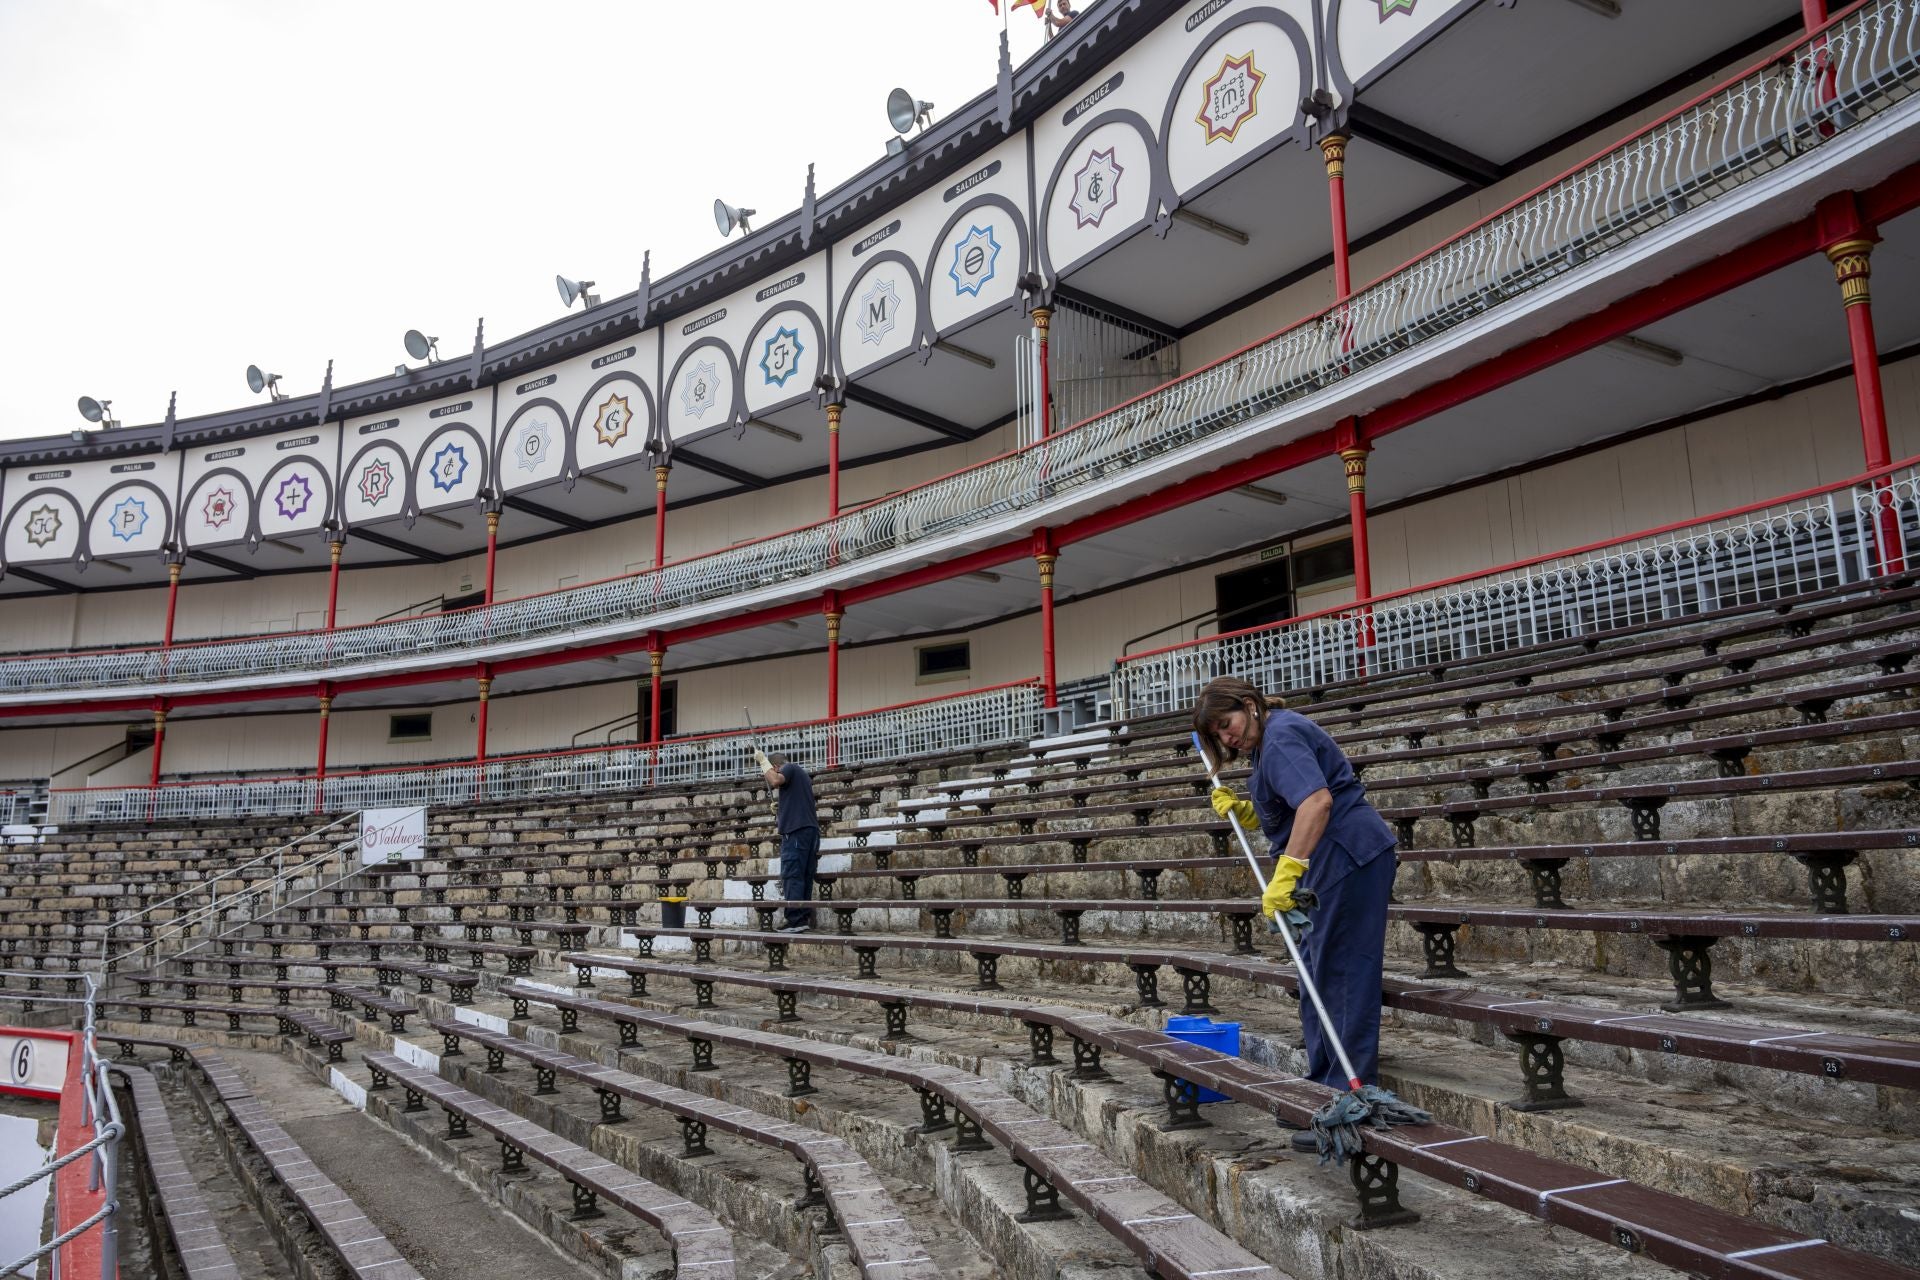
[(192, 186)]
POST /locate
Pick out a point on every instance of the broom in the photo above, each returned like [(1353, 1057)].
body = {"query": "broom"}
[(1336, 1125)]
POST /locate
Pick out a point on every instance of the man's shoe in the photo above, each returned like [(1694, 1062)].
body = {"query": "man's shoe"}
[(796, 928), (1305, 1142)]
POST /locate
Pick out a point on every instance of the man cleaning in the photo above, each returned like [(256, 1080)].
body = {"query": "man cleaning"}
[(799, 828)]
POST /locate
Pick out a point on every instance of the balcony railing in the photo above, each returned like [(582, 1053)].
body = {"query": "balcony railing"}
[(1829, 537), (978, 718), (1851, 70)]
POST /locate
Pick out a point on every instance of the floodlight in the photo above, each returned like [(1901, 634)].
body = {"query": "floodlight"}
[(100, 411), (571, 289), (421, 347), (904, 111), (267, 382), (726, 217)]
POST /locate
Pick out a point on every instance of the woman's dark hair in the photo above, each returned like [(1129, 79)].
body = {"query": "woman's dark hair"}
[(1222, 695)]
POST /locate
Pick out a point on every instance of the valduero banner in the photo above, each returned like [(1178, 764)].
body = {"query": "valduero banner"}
[(391, 835)]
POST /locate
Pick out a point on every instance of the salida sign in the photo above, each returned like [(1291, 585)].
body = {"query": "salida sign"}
[(392, 834)]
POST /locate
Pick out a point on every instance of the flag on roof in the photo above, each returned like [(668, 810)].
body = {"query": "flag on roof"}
[(1039, 6)]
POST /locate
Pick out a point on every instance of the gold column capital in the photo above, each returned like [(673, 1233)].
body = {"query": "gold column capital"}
[(1354, 461), (833, 416), (660, 478), (656, 658), (1042, 318), (493, 523), (1852, 265), (485, 683), (1334, 148), (333, 554), (833, 626), (326, 705), (173, 574), (1046, 560), (159, 719)]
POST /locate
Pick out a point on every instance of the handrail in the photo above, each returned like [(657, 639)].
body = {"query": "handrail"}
[(405, 610), (101, 1111), (618, 722), (218, 905), (1547, 557), (274, 854), (1856, 65), (927, 726), (1857, 532)]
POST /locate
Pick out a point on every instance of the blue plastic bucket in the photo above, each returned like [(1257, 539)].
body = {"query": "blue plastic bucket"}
[(1221, 1037)]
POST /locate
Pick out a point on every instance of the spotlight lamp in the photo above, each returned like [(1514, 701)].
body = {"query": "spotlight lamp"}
[(98, 411), (571, 289), (904, 111), (258, 381), (421, 347), (727, 217)]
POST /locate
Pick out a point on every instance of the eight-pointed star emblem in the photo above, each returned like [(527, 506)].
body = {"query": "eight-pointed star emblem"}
[(1096, 188), (293, 495), (615, 418), (974, 257), (218, 508), (1230, 98), (701, 391), (536, 437), (376, 482), (43, 526), (780, 356), (129, 518), (449, 467)]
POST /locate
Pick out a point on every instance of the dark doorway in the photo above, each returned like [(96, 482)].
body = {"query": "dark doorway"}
[(1254, 597), (669, 709)]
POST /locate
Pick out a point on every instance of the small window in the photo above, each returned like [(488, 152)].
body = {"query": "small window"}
[(1328, 562), (414, 726), (944, 661)]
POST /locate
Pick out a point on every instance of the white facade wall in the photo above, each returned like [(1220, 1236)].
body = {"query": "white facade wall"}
[(1745, 455)]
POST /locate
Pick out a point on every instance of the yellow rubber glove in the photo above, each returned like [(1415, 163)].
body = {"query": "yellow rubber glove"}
[(1227, 805), (1286, 877)]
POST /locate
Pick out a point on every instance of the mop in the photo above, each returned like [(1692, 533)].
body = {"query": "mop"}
[(766, 765), (1337, 1124)]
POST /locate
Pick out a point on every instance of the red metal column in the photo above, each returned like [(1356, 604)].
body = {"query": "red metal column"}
[(833, 458), (656, 656), (1334, 148), (333, 580), (480, 736), (493, 540), (1042, 319), (660, 515), (173, 598), (1046, 557), (834, 615), (1354, 459), (320, 759), (159, 741), (1852, 266), (1813, 12)]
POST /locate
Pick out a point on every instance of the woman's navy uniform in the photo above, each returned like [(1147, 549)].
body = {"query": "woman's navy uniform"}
[(1350, 876)]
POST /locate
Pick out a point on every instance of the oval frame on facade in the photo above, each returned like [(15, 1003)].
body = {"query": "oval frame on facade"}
[(1022, 265), (673, 378), (1159, 193), (244, 533), (405, 480), (565, 444), (1300, 132), (255, 533), (806, 392), (414, 509), (571, 469), (85, 548)]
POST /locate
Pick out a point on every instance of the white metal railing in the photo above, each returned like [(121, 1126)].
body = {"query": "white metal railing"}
[(100, 1111), (985, 717), (22, 802), (193, 926), (1847, 533), (1850, 71)]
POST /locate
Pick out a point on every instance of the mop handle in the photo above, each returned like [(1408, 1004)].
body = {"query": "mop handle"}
[(760, 755), (1280, 926)]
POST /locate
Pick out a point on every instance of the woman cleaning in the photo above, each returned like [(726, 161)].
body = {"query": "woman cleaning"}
[(1332, 852)]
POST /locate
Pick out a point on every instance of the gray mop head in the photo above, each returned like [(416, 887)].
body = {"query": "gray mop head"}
[(1337, 1125)]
